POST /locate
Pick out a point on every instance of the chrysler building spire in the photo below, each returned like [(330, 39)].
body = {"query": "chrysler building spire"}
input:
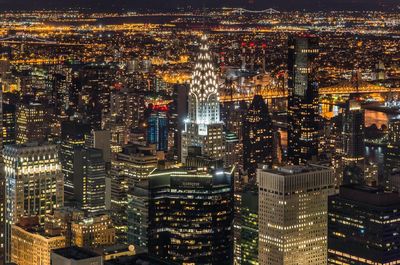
[(204, 98), (203, 128)]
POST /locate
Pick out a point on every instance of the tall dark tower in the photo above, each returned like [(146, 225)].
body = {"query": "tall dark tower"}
[(303, 116), (257, 137), (353, 143)]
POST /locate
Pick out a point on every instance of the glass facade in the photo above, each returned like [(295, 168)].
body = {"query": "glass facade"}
[(191, 216), (364, 226)]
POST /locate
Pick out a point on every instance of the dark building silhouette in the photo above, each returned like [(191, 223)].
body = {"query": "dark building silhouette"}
[(353, 143), (257, 137)]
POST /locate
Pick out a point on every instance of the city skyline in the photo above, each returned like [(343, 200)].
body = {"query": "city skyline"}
[(286, 5), (254, 134)]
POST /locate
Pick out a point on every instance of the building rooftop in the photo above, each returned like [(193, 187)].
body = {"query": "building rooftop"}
[(138, 259), (292, 169), (75, 253), (372, 196)]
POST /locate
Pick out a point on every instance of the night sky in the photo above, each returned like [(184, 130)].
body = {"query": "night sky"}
[(172, 4)]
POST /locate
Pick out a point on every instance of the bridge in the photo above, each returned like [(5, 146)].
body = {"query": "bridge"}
[(339, 89), (265, 11), (21, 38), (25, 38)]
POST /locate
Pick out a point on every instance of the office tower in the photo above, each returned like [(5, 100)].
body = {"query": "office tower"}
[(157, 127), (31, 245), (2, 190), (9, 124), (137, 212), (353, 143), (90, 180), (191, 216), (181, 93), (303, 115), (293, 205), (73, 135), (363, 226), (93, 232), (203, 127), (232, 150), (392, 156), (34, 184), (257, 137), (233, 118), (100, 139), (93, 91), (249, 226), (75, 256), (129, 167), (31, 123), (34, 180)]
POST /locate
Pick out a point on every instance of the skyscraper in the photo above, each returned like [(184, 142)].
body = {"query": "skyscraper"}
[(303, 115), (9, 124), (249, 225), (257, 137), (137, 212), (203, 127), (293, 204), (364, 226), (73, 136), (129, 167), (90, 180), (191, 215), (34, 183), (31, 123), (392, 156), (353, 143), (157, 127)]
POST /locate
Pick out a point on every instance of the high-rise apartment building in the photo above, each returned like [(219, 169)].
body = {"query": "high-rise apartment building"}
[(293, 204), (364, 226), (203, 127), (191, 216), (303, 114)]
